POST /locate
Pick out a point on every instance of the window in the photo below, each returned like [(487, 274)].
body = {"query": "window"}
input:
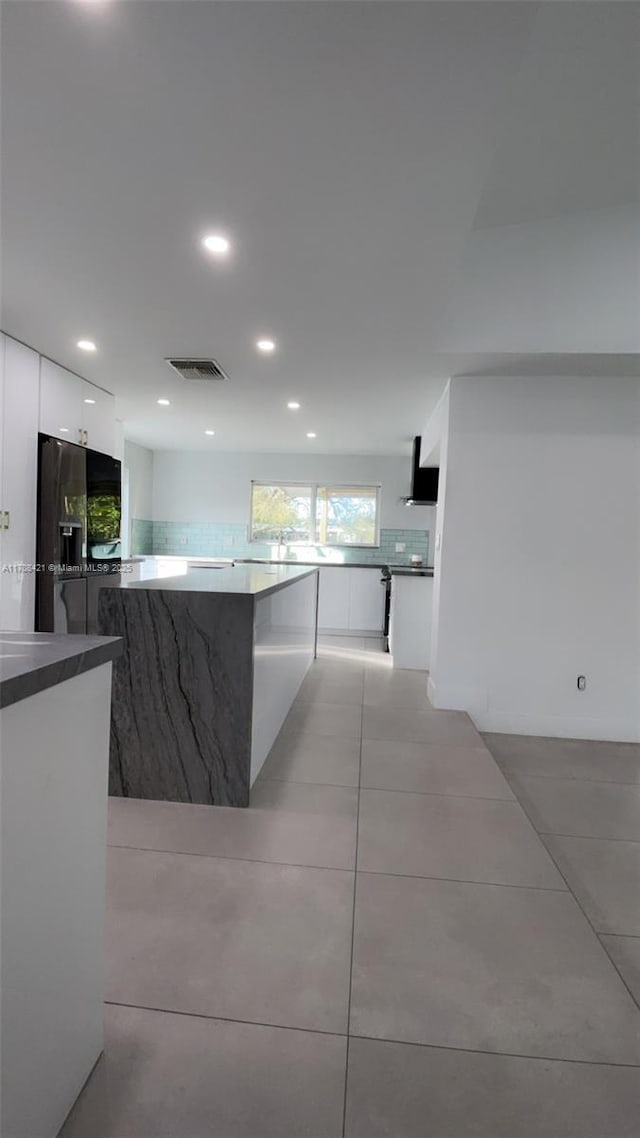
[(289, 513)]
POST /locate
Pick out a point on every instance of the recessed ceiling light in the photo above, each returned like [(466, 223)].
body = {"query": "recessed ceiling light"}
[(64, 430), (164, 402), (311, 435), (293, 406), (217, 244), (86, 345), (209, 432), (89, 400), (266, 346)]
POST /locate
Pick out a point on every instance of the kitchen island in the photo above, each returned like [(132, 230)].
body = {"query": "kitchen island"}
[(54, 754), (212, 662)]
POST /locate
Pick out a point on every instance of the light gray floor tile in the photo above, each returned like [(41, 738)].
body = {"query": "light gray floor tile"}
[(314, 759), (486, 967), (286, 822), (465, 839), (317, 718), (393, 687), (171, 1076), (580, 809), (432, 768), (414, 725), (349, 671), (234, 939), (605, 877), (566, 758), (342, 650), (374, 645), (625, 953), (399, 1091), (322, 690)]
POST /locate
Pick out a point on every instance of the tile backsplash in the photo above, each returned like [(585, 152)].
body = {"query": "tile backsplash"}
[(141, 537), (218, 539)]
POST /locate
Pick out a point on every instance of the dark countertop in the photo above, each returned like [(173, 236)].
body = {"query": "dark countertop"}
[(410, 571), (312, 564), (244, 580), (31, 662), (404, 567)]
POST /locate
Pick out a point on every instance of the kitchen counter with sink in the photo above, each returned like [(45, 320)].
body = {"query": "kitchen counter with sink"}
[(55, 692), (213, 660)]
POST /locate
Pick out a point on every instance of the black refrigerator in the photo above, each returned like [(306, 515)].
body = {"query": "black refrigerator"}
[(78, 534)]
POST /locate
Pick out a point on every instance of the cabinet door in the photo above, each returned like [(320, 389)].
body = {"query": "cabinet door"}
[(333, 600), (20, 429), (410, 631), (2, 506), (98, 418), (61, 404), (118, 446), (366, 600)]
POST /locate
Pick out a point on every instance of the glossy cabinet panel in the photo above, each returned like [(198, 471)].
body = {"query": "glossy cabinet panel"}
[(18, 464)]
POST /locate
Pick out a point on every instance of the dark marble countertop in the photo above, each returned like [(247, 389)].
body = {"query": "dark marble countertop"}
[(30, 662), (244, 580)]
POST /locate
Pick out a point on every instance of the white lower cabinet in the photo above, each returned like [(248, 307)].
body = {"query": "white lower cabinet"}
[(333, 598), (366, 600), (350, 600), (411, 619), (18, 476)]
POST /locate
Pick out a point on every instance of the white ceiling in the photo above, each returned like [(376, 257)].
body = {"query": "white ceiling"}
[(349, 150)]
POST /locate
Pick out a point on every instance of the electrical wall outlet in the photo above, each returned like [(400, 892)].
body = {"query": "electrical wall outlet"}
[(184, 540), (400, 546), (582, 683)]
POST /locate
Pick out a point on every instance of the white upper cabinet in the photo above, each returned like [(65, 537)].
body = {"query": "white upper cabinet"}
[(19, 432), (98, 419), (2, 429), (118, 446), (75, 410), (61, 406)]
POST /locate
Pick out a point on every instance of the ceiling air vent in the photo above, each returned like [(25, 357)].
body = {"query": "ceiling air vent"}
[(197, 369)]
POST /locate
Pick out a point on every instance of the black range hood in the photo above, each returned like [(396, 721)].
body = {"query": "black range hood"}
[(424, 480)]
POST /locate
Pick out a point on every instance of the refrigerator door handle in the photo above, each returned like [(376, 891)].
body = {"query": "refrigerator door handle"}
[(86, 437), (80, 439)]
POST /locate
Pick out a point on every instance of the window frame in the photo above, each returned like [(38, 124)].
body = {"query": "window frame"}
[(313, 487)]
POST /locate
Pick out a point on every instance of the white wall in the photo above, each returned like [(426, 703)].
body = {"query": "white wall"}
[(435, 439), (529, 596), (200, 487), (139, 462)]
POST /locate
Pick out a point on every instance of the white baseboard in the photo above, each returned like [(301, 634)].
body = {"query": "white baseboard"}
[(556, 726), (612, 730)]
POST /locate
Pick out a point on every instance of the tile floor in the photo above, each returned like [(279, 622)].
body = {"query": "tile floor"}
[(381, 945)]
